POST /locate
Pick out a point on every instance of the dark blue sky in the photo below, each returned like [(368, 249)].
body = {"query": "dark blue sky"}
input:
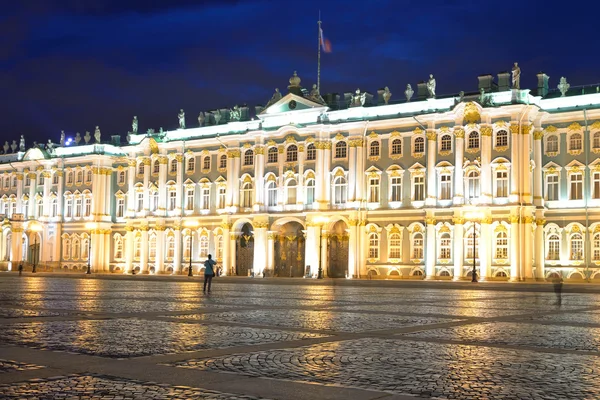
[(76, 64)]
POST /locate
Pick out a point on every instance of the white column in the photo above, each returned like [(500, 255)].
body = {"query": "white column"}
[(179, 186), (129, 244), (459, 230), (527, 248), (109, 198), (16, 246), (160, 249), (311, 247), (59, 202), (226, 251), (515, 256), (326, 176), (144, 250), (324, 258), (459, 151), (259, 178), (430, 245), (106, 252), (515, 169), (260, 248), (32, 203), (485, 249), (130, 188), (177, 267), (538, 200), (233, 262), (352, 249), (20, 192), (301, 191), (47, 189), (486, 159), (360, 170), (147, 168), (431, 190), (540, 272), (352, 172), (526, 167), (271, 236), (162, 185), (234, 185)]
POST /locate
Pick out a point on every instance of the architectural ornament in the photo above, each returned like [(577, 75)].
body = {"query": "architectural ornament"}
[(387, 95), (22, 143), (563, 86), (516, 76), (315, 95), (181, 118), (97, 134), (431, 86), (235, 114), (486, 131), (87, 137), (408, 92), (538, 134), (459, 133), (134, 125), (431, 136), (275, 98), (62, 138), (13, 146)]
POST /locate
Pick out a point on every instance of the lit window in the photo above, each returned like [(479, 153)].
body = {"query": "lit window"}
[(419, 188), (311, 152), (374, 246), (502, 245), (397, 147), (172, 200), (395, 246), (291, 191), (189, 199), (374, 149), (310, 192), (417, 252), (246, 195), (501, 138), (445, 187), (396, 188), (374, 189), (222, 197), (576, 247), (553, 247), (341, 150), (271, 194), (205, 198), (272, 155), (340, 191), (446, 143), (501, 184), (473, 185), (292, 153), (473, 142), (445, 246), (576, 186), (249, 157), (552, 188)]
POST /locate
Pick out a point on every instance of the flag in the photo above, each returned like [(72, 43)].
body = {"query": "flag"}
[(325, 43)]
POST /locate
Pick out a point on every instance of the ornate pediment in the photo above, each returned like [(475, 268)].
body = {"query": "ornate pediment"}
[(289, 103)]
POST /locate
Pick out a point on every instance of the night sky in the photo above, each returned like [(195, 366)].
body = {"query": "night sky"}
[(76, 64)]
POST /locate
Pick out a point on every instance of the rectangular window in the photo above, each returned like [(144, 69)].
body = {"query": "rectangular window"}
[(206, 198), (172, 200), (40, 208), (121, 177), (596, 186), (189, 199), (68, 208), (501, 184), (419, 188), (576, 186), (77, 207), (87, 207), (120, 208), (310, 192), (396, 188), (374, 190), (28, 180), (140, 201), (552, 187), (154, 200), (445, 188), (222, 194)]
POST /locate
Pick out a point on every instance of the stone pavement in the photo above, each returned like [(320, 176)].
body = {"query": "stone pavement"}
[(144, 338)]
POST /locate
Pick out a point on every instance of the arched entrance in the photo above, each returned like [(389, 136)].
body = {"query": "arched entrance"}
[(244, 251), (289, 250), (337, 244)]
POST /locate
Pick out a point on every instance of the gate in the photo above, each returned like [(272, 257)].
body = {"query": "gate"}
[(338, 255), (244, 251), (289, 256)]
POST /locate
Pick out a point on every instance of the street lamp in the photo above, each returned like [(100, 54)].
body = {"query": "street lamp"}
[(90, 226), (35, 228), (474, 216), (191, 224), (321, 221)]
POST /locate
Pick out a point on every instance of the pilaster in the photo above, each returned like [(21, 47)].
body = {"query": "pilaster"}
[(459, 151), (486, 159), (431, 199), (430, 246), (459, 229)]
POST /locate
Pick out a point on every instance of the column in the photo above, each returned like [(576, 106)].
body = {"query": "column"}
[(147, 167), (47, 189), (259, 178), (459, 229), (515, 164), (162, 186), (538, 199), (177, 267), (320, 176), (106, 252), (352, 248), (109, 198), (20, 193), (32, 206), (131, 188), (179, 186), (486, 159), (515, 259), (431, 190), (459, 152), (300, 191), (352, 173), (129, 244), (59, 201), (363, 249), (232, 239), (226, 262), (485, 249), (57, 244), (160, 249), (280, 177), (430, 245), (260, 248), (271, 237), (326, 176), (324, 258), (526, 167), (527, 266), (311, 246), (16, 246), (540, 258), (360, 170), (144, 250)]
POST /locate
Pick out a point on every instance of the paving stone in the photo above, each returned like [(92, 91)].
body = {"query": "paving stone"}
[(23, 313), (11, 366)]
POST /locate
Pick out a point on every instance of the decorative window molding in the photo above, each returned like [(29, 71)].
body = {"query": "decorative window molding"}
[(473, 142), (374, 242), (417, 185), (418, 146), (552, 145), (394, 242), (501, 140), (417, 242)]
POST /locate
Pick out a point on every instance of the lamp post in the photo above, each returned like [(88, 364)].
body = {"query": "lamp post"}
[(90, 226), (35, 228), (474, 216), (321, 220), (191, 224)]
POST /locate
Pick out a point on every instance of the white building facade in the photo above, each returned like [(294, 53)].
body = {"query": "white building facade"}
[(425, 189)]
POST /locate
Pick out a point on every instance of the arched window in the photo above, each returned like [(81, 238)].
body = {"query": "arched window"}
[(419, 145), (501, 138), (396, 146), (272, 154), (417, 250), (552, 144), (205, 163), (118, 248), (249, 157), (395, 246), (553, 247), (472, 249), (576, 247), (85, 243), (374, 246), (88, 177), (340, 190), (341, 150), (374, 149), (446, 143), (121, 178), (473, 185), (292, 153), (290, 188), (596, 244), (191, 164), (575, 143), (156, 167), (596, 140), (69, 179), (203, 246), (223, 161), (473, 142), (76, 249), (66, 248), (445, 249), (271, 194), (137, 246), (140, 169), (173, 168), (311, 152), (80, 176), (170, 247), (246, 195), (152, 247), (187, 246), (310, 191), (54, 207), (501, 245)]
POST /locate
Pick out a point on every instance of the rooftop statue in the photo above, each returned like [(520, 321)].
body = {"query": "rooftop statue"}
[(563, 86), (87, 137), (77, 138), (181, 117), (461, 96), (387, 95), (22, 143), (516, 76), (235, 114), (218, 117), (201, 118), (13, 146), (276, 97), (97, 134), (62, 138), (314, 94), (409, 92), (134, 125), (358, 99), (6, 147), (50, 147), (431, 86)]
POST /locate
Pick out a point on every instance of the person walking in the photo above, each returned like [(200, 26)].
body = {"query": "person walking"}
[(20, 269), (209, 272)]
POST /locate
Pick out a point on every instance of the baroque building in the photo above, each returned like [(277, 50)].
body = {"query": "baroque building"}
[(361, 185)]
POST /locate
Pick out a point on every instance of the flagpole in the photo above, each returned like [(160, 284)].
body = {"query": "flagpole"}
[(319, 55)]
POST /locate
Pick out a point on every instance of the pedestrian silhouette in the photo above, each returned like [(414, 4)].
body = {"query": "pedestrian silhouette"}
[(209, 272), (558, 284), (20, 269)]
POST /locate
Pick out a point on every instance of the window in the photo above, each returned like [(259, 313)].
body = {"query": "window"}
[(13, 207), (121, 178), (140, 168), (76, 249), (501, 183), (374, 149), (69, 207), (78, 204), (395, 246), (596, 244), (85, 243), (173, 169), (374, 189), (374, 246), (79, 178), (575, 142), (552, 187), (187, 241), (473, 142), (311, 152), (156, 167), (137, 247), (340, 190), (473, 185), (396, 188), (172, 200), (310, 191), (552, 144), (222, 194), (553, 247), (246, 195), (140, 201), (205, 193), (596, 185), (290, 189), (292, 153), (220, 247), (120, 208), (576, 247), (152, 247), (419, 145), (189, 199), (419, 188), (249, 157), (170, 247), (25, 207), (341, 150), (66, 248), (396, 147), (28, 179), (87, 207), (445, 243), (470, 246), (54, 180), (272, 155), (417, 252), (191, 164), (501, 138), (576, 186), (502, 245), (445, 187), (203, 246), (40, 180), (446, 143), (271, 194), (596, 144), (154, 200), (118, 248), (205, 163), (223, 161)]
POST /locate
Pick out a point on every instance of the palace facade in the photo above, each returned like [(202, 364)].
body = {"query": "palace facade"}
[(359, 185)]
